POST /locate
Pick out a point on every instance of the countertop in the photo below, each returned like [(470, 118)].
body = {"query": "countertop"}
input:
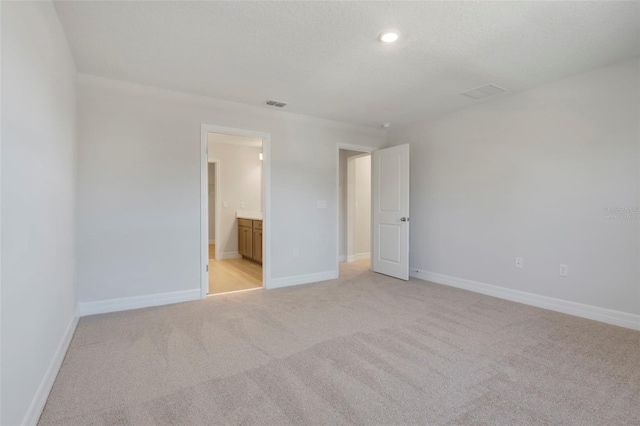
[(247, 214)]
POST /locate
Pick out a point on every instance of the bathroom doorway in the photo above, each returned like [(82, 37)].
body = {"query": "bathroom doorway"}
[(235, 229), (354, 207)]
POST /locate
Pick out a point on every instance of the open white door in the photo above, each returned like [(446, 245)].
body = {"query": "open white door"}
[(390, 206)]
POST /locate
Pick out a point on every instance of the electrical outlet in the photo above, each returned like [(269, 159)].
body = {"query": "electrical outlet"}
[(519, 263), (225, 204), (242, 204), (296, 253), (564, 270)]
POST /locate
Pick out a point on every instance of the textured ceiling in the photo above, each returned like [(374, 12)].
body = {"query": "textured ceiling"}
[(323, 58)]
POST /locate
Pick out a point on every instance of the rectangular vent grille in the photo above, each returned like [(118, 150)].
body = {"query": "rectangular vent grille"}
[(276, 103), (484, 91)]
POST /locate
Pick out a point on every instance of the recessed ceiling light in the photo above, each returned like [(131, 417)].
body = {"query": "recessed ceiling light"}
[(388, 36)]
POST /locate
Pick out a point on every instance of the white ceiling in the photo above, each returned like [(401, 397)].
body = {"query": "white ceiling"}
[(323, 58)]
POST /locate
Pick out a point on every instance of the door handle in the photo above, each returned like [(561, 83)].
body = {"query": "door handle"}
[(404, 219)]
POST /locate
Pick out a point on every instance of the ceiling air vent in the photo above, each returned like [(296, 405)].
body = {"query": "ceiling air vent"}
[(276, 103), (484, 91)]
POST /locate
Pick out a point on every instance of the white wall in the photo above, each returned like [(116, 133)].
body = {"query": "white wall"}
[(363, 206), (355, 204), (38, 192), (139, 187), (212, 202), (344, 155), (351, 209), (529, 175), (240, 184)]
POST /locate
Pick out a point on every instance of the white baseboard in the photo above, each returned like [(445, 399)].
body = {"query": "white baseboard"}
[(609, 316), (342, 258), (229, 255), (40, 398), (302, 279), (351, 258), (360, 256), (137, 302)]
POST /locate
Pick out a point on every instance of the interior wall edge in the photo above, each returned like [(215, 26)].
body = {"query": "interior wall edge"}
[(596, 313), (137, 302), (40, 398), (301, 279)]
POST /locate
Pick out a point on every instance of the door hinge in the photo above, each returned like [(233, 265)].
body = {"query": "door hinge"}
[(207, 268)]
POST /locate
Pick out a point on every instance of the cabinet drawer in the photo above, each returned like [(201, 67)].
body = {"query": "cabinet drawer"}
[(257, 224), (245, 222)]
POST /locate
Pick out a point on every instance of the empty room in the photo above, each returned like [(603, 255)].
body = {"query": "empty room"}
[(319, 212)]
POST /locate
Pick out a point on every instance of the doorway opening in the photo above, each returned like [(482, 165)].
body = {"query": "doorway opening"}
[(235, 219), (354, 207)]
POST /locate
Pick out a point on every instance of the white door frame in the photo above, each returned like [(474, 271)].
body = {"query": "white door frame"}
[(358, 148), (204, 204)]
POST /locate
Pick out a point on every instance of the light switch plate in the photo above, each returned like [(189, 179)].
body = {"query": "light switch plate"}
[(321, 204), (564, 270)]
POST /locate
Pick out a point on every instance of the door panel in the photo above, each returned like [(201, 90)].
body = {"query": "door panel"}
[(390, 208), (390, 236), (390, 168)]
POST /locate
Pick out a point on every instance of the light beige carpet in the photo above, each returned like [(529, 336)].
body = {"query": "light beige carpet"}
[(364, 349)]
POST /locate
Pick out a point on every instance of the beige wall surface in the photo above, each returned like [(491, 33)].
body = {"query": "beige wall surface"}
[(211, 169), (530, 175), (38, 202), (240, 188), (363, 206), (139, 187)]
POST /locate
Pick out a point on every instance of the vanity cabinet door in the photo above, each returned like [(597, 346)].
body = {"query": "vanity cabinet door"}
[(250, 239), (245, 241), (257, 245)]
